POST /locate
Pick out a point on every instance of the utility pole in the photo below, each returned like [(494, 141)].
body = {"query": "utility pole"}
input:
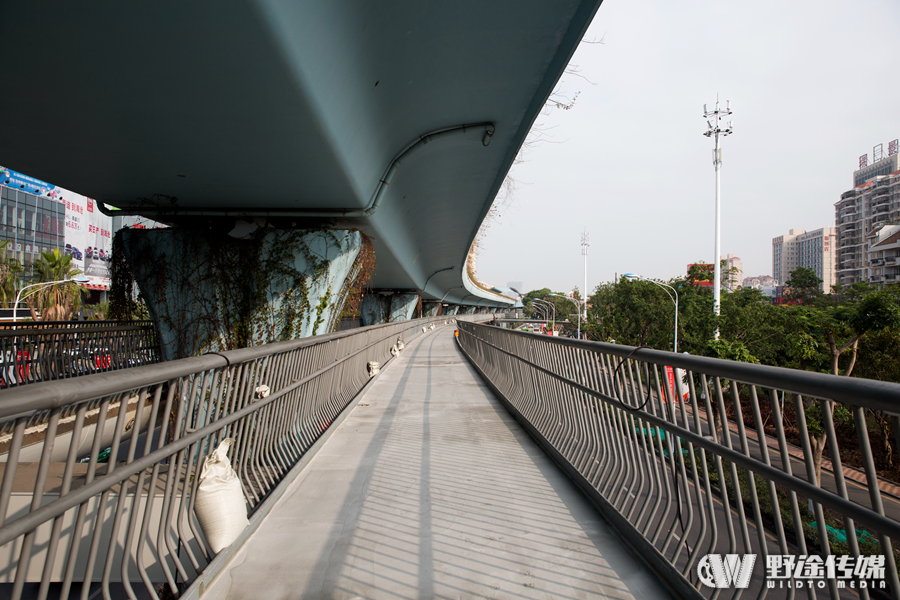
[(585, 242), (714, 130)]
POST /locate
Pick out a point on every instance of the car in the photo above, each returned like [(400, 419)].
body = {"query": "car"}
[(89, 252), (68, 249), (101, 255), (76, 253)]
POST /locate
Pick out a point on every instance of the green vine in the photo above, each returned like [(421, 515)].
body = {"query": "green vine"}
[(323, 304), (213, 292), (124, 303)]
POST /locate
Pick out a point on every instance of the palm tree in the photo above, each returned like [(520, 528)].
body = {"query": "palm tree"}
[(9, 276), (56, 302)]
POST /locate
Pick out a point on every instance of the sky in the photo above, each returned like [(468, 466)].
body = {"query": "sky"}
[(812, 85)]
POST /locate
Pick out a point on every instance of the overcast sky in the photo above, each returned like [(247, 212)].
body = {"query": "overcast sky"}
[(813, 85)]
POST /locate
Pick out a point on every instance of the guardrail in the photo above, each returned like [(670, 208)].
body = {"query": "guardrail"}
[(653, 438), (35, 351), (112, 498)]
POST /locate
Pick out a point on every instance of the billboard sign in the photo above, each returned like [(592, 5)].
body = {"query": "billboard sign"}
[(88, 238), (88, 232), (18, 181)]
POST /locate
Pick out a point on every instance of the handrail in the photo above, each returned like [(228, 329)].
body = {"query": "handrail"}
[(880, 395), (662, 470), (156, 423), (49, 350)]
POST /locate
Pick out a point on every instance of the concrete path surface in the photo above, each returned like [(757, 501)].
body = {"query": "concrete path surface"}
[(430, 489)]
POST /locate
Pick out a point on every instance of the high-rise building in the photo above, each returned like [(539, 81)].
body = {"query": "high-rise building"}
[(731, 280), (884, 254), (862, 215), (811, 249)]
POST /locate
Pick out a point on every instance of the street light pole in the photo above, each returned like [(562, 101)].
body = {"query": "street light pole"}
[(549, 305), (41, 284), (675, 300), (585, 242), (577, 307), (714, 121), (534, 307)]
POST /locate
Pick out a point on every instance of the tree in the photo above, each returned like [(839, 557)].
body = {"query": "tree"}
[(700, 272), (804, 285), (528, 301), (56, 302), (730, 280), (750, 318), (641, 313), (563, 307), (854, 331), (880, 360), (9, 276), (875, 312), (842, 327)]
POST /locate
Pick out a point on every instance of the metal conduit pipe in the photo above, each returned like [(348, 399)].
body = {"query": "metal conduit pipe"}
[(385, 181), (448, 291), (424, 285)]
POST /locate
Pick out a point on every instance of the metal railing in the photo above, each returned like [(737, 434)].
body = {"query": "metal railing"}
[(678, 488), (48, 350), (111, 499)]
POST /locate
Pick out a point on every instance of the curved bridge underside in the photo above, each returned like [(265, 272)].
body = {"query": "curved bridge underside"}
[(398, 118)]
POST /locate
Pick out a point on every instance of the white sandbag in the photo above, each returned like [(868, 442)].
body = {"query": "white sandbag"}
[(374, 367), (220, 504), (400, 344), (395, 350)]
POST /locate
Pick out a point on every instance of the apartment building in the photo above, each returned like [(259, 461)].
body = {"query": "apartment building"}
[(811, 249), (884, 254), (734, 278), (862, 217), (758, 282)]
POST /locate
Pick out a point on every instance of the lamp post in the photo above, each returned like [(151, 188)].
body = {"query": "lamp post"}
[(41, 284), (585, 242), (549, 305), (540, 308), (577, 308), (674, 299), (713, 120)]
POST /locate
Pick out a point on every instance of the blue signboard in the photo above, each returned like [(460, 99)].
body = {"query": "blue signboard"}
[(19, 181)]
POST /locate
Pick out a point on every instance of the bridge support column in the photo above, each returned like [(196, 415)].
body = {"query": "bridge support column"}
[(466, 310), (208, 292), (431, 309), (388, 307), (451, 309)]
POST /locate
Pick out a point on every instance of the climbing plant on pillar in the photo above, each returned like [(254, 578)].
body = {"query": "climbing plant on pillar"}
[(349, 299), (207, 291)]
